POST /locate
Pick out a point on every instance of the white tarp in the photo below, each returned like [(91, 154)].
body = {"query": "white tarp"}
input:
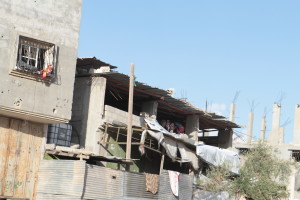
[(217, 156), (171, 143)]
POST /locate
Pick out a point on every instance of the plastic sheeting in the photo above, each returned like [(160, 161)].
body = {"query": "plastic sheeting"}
[(217, 156), (171, 143)]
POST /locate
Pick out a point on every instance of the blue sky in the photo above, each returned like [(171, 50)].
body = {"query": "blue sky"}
[(206, 50)]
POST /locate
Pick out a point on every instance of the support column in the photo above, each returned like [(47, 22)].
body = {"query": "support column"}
[(263, 129), (250, 127), (232, 113), (297, 126), (274, 136), (95, 112), (281, 135), (225, 138), (192, 126)]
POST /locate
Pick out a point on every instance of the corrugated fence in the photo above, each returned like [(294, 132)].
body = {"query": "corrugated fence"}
[(61, 179), (68, 179), (103, 183)]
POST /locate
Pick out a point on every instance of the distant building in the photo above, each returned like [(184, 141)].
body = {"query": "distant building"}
[(276, 139)]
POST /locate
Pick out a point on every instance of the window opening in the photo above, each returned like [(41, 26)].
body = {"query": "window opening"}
[(296, 155), (35, 57)]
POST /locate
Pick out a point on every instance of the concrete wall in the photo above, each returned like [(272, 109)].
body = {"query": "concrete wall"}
[(55, 22), (117, 116)]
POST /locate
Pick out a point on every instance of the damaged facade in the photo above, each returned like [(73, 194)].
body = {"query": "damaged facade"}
[(99, 135), (38, 51), (64, 141)]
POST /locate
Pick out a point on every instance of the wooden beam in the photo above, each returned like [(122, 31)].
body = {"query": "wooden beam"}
[(130, 109)]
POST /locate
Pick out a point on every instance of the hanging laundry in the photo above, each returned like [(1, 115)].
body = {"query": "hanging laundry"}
[(152, 183), (174, 181)]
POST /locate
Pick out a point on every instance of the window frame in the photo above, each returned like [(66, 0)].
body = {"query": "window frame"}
[(43, 51)]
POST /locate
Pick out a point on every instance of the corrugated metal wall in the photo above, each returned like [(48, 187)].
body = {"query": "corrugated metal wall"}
[(61, 179), (68, 179), (164, 190), (135, 186), (20, 155), (185, 187), (103, 183)]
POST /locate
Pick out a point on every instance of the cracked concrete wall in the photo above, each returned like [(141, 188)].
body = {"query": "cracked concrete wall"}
[(56, 22)]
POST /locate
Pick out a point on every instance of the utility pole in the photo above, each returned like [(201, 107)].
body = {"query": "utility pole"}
[(129, 122)]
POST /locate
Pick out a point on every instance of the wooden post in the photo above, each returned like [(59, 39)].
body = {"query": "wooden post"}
[(130, 108), (162, 162)]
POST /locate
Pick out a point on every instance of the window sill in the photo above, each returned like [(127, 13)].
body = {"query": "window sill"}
[(30, 76)]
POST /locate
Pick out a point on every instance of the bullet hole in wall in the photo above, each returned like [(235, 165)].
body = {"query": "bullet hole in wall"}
[(18, 102), (54, 111)]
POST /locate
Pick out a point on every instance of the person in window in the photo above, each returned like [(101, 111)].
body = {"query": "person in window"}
[(168, 125), (163, 123), (172, 127), (179, 128)]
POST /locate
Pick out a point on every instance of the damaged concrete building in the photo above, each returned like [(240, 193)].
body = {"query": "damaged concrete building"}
[(64, 141), (38, 51), (99, 138)]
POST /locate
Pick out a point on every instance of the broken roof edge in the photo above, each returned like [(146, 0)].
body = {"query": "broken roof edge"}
[(167, 98), (92, 62)]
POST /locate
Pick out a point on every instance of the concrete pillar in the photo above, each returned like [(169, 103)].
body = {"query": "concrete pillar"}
[(150, 107), (225, 138), (281, 135), (192, 126), (232, 113), (263, 129), (274, 136), (250, 127), (297, 126), (95, 113)]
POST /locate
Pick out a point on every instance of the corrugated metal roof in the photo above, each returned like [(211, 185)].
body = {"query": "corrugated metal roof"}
[(88, 63), (165, 97), (61, 177)]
